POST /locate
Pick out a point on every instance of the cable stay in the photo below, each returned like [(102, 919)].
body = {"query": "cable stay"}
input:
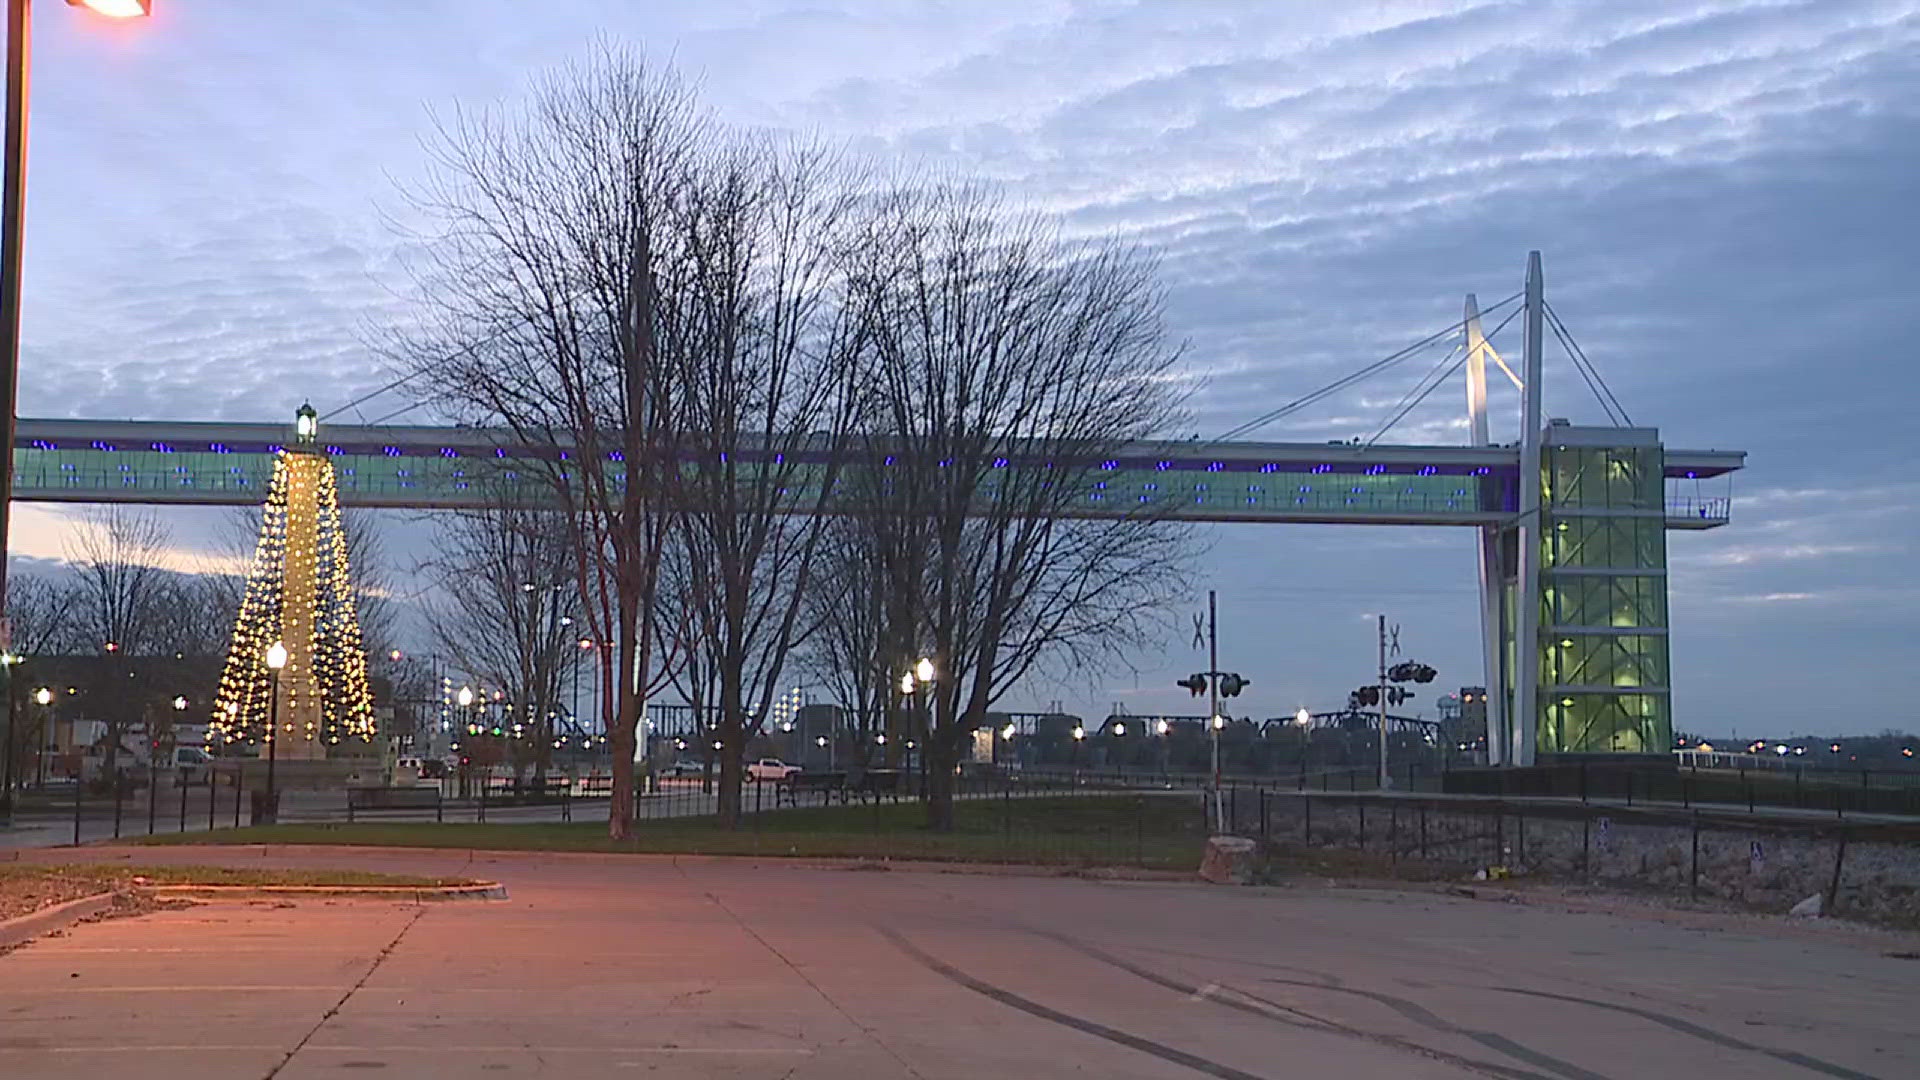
[(1429, 384), (1588, 371), (1348, 380)]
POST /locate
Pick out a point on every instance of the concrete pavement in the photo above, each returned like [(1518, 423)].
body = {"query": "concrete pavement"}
[(615, 966)]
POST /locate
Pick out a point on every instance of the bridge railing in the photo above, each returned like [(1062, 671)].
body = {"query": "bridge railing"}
[(1695, 508)]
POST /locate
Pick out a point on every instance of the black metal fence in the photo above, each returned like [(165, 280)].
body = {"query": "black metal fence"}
[(1866, 868)]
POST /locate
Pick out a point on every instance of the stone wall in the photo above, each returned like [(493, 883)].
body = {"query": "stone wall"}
[(1767, 865)]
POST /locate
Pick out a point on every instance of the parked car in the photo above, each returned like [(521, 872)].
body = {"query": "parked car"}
[(682, 769), (770, 769)]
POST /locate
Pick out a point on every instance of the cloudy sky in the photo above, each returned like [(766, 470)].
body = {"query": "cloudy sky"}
[(1723, 193)]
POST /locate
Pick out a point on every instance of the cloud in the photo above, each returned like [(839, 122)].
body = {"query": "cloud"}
[(1722, 190)]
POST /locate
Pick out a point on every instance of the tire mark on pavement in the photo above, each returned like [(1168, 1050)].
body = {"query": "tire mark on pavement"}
[(871, 1035), (419, 910), (1270, 1010), (1426, 1018), (1034, 1008), (1702, 1033)]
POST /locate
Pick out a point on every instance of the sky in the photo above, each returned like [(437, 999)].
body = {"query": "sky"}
[(1722, 192)]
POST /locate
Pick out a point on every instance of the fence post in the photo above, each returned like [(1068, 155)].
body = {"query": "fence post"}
[(183, 806), (1423, 830), (482, 810), (1586, 847), (239, 778), (1363, 824), (1629, 787), (1263, 813), (1520, 834), (212, 791), (1583, 782), (79, 787), (1306, 812), (1693, 874), (1393, 833), (1833, 887), (153, 792)]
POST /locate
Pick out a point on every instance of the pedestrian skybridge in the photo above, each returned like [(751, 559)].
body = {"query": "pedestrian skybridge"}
[(423, 467)]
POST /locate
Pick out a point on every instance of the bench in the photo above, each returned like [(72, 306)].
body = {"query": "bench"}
[(360, 799), (827, 783), (879, 782)]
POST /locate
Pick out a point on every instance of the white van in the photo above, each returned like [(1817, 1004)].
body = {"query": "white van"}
[(190, 765)]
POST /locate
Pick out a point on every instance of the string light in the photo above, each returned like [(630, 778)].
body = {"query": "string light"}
[(299, 590)]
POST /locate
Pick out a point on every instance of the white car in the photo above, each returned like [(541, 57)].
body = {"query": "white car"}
[(770, 769)]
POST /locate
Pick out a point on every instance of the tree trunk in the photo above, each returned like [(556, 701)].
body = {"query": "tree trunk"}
[(942, 754), (620, 813), (732, 773)]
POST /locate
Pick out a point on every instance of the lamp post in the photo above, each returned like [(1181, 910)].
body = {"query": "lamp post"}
[(42, 697), (465, 700), (923, 674), (8, 659), (276, 659), (13, 200)]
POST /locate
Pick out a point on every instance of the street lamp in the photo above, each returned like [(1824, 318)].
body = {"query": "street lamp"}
[(115, 9), (1303, 717), (13, 199), (276, 659)]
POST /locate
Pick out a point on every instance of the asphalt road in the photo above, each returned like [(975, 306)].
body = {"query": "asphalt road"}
[(608, 966)]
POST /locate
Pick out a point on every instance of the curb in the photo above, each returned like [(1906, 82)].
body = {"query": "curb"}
[(485, 890), (26, 927)]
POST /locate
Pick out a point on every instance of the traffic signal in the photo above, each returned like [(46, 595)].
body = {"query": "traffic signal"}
[(1367, 695), (1398, 696), (1411, 671), (1196, 683), (1231, 685)]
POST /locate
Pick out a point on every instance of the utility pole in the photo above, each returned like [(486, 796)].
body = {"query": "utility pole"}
[(1213, 685), (1385, 780)]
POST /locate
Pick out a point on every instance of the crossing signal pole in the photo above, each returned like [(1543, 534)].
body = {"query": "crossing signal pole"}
[(1385, 780), (1213, 686), (1216, 684)]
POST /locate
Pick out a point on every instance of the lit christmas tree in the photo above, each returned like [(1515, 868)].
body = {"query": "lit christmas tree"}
[(300, 593)]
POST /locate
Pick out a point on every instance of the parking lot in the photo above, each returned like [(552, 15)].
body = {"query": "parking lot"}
[(612, 965)]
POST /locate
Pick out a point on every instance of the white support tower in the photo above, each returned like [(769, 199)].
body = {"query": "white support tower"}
[(1492, 579), (1526, 619)]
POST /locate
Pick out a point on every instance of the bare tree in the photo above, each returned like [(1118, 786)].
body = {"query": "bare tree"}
[(551, 287), (765, 362), (194, 614), (846, 650), (40, 621), (506, 614), (1011, 366), (121, 589)]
